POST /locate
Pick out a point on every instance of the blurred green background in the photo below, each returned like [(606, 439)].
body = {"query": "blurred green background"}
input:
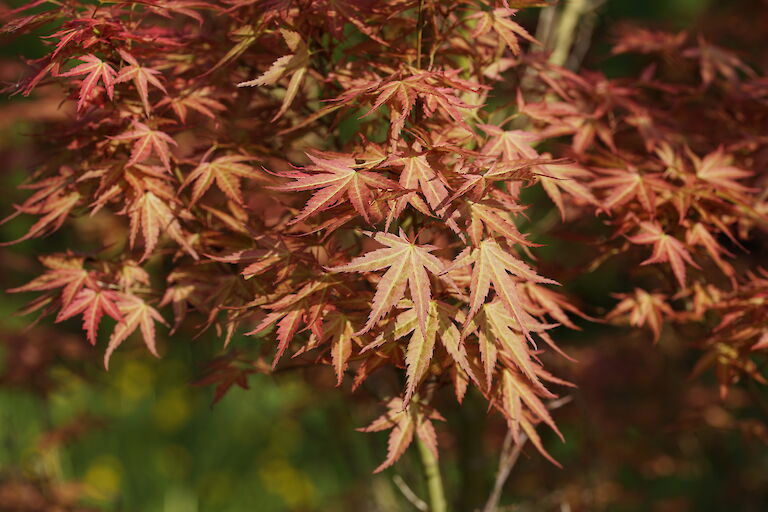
[(143, 438)]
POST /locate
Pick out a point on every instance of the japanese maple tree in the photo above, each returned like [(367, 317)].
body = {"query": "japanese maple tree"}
[(351, 181)]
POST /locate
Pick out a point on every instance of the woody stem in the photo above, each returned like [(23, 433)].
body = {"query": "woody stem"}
[(566, 29), (437, 501)]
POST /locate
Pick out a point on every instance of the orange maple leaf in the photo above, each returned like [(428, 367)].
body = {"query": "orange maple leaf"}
[(666, 248), (408, 264)]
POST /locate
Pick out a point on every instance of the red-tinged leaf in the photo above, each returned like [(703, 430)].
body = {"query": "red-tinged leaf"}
[(627, 184), (554, 304), (54, 210), (666, 248), (286, 329), (141, 76), (226, 172), (699, 235), (716, 170), (514, 385), (419, 354), (341, 345), (137, 314), (65, 272), (92, 304), (335, 178), (399, 440), (530, 431), (199, 100), (152, 215), (566, 178), (493, 265), (408, 264), (224, 372), (488, 352), (295, 64), (644, 309), (95, 69), (440, 320), (495, 219), (418, 175), (714, 61), (147, 142), (504, 331), (512, 145), (405, 421), (499, 21)]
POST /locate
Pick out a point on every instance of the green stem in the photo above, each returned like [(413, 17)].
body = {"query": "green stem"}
[(419, 33), (566, 28), (437, 501)]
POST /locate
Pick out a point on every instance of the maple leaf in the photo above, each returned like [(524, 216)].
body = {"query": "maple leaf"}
[(494, 217), (421, 345), (666, 248), (141, 77), (700, 235), (226, 172), (498, 21), (514, 393), (554, 304), (408, 264), (224, 372), (405, 421), (643, 308), (565, 178), (417, 174), (714, 60), (641, 40), (54, 210), (493, 265), (198, 100), (627, 184), (148, 141), (65, 272), (500, 333), (95, 69), (715, 169), (437, 90), (338, 328), (295, 63), (137, 314), (293, 309), (335, 178), (92, 304), (152, 215), (511, 144)]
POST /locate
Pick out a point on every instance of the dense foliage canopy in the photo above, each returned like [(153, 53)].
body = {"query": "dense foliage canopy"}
[(358, 183)]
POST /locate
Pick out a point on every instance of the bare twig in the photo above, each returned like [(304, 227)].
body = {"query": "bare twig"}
[(409, 494), (584, 34), (508, 458), (566, 28), (545, 26), (419, 33)]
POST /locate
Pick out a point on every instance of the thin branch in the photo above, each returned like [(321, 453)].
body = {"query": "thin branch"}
[(409, 494), (437, 501), (545, 26), (419, 33), (508, 458), (584, 35), (566, 28), (507, 461)]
